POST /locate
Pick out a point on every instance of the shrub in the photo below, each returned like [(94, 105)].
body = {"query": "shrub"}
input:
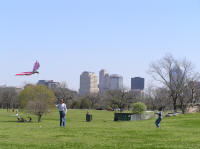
[(138, 108)]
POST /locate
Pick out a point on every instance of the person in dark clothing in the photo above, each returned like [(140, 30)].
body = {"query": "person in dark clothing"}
[(159, 119)]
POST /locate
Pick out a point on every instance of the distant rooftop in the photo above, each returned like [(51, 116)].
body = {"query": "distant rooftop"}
[(116, 75)]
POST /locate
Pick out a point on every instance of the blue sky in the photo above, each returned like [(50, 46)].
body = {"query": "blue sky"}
[(69, 37)]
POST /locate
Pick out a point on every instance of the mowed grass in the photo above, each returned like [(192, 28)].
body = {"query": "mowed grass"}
[(181, 132)]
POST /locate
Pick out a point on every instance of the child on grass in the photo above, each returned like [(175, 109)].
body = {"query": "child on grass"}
[(159, 119)]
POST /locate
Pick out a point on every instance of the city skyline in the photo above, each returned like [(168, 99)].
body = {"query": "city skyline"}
[(52, 81), (68, 37)]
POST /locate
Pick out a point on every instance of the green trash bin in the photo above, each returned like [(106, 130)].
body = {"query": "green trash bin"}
[(88, 117), (122, 116)]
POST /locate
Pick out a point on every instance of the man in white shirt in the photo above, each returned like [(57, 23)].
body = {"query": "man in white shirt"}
[(62, 110)]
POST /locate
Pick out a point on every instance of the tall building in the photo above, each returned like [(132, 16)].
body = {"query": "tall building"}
[(104, 80), (109, 82), (48, 83), (88, 83), (176, 74), (116, 82), (137, 83)]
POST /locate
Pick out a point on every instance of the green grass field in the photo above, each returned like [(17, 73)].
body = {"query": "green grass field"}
[(181, 132)]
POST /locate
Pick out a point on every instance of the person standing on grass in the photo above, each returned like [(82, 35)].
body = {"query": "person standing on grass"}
[(62, 110), (159, 119)]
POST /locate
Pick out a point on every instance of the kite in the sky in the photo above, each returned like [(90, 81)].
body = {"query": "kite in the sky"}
[(35, 68)]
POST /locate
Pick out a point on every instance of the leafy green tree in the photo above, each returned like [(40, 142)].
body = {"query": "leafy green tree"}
[(36, 99), (76, 104), (85, 103), (138, 108)]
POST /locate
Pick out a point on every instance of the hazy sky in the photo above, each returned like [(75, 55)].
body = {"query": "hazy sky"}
[(69, 37)]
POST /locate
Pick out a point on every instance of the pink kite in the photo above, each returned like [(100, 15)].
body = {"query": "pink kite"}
[(35, 68)]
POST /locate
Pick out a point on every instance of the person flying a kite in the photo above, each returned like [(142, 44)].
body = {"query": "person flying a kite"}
[(35, 68)]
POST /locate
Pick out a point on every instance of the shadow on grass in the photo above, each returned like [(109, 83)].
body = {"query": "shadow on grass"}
[(9, 121), (17, 122)]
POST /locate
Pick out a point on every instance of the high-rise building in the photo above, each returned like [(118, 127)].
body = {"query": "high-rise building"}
[(116, 82), (176, 74), (137, 83), (88, 83), (109, 82), (104, 80)]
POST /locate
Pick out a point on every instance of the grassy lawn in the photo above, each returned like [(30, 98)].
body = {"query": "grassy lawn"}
[(181, 132)]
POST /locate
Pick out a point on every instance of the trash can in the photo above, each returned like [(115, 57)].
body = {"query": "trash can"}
[(88, 117)]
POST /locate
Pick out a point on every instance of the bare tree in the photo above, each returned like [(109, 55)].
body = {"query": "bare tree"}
[(117, 99), (103, 100), (8, 97), (172, 74), (149, 99), (161, 98), (121, 99), (62, 92), (190, 93), (156, 98)]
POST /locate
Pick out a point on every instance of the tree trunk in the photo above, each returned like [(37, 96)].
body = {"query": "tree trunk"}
[(183, 108), (174, 104), (7, 107), (183, 111), (175, 107)]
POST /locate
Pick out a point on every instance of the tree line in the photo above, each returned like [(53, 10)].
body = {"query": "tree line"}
[(177, 87)]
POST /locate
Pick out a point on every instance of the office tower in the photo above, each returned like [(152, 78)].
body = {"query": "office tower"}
[(137, 83), (116, 82), (103, 80), (88, 83), (176, 74)]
